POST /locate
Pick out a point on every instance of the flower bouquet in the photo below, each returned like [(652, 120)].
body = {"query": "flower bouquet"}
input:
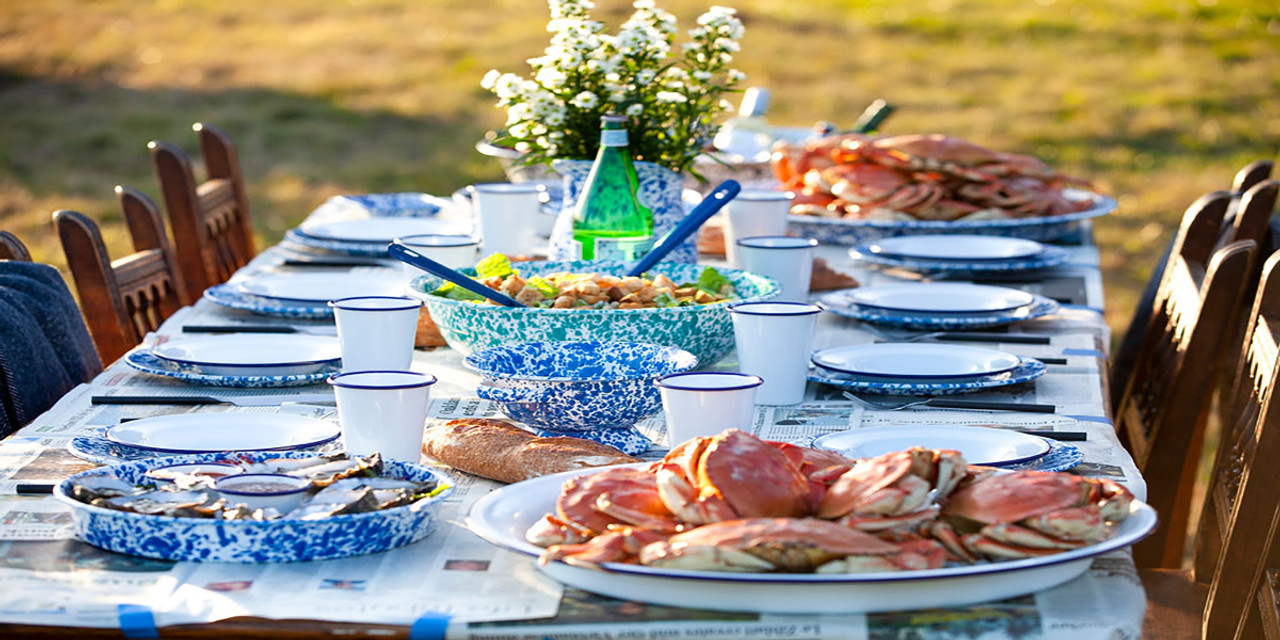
[(670, 95)]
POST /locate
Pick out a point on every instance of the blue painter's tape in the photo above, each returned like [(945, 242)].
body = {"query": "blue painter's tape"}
[(1088, 353), (429, 626), (1098, 419), (137, 621)]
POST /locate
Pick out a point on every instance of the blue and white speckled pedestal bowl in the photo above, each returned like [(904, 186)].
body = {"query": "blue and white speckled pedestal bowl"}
[(245, 541), (593, 390), (705, 330), (848, 232)]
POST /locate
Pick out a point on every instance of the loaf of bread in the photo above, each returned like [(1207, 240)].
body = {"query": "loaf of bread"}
[(501, 451)]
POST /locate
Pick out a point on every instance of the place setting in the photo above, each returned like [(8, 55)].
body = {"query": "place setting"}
[(241, 360), (940, 306), (306, 295), (985, 446), (379, 219), (920, 369), (960, 254), (197, 433)]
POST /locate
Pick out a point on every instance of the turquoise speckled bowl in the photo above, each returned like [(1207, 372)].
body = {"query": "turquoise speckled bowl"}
[(706, 331)]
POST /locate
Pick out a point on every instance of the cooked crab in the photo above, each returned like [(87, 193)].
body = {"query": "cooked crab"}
[(895, 490), (1029, 513), (731, 475)]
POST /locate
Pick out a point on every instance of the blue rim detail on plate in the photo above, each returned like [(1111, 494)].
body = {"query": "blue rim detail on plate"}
[(1051, 256), (93, 446), (348, 247), (143, 360), (1061, 457), (845, 232), (1029, 370), (230, 295), (406, 204), (835, 303)]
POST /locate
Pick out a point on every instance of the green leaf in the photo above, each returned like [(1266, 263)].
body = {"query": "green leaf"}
[(712, 281), (494, 265), (543, 285), (454, 292)]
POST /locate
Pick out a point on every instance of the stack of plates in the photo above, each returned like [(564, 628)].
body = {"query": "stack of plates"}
[(305, 295), (938, 305), (242, 360), (205, 433), (959, 253), (978, 445), (920, 368), (386, 216)]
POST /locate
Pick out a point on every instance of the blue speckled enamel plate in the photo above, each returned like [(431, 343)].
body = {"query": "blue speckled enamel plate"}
[(1029, 370), (244, 541), (143, 360), (849, 233), (93, 446), (1062, 456), (837, 302), (230, 295)]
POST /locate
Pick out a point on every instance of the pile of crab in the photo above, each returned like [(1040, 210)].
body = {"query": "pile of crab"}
[(734, 502), (918, 177)]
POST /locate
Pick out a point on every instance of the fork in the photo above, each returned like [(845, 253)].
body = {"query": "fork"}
[(956, 336), (944, 403)]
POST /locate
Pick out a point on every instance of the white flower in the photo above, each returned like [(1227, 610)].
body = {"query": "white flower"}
[(585, 100), (645, 76), (736, 76), (671, 96), (550, 77), (490, 79), (635, 110), (702, 75)]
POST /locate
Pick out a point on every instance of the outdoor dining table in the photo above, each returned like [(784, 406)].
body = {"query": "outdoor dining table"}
[(453, 584)]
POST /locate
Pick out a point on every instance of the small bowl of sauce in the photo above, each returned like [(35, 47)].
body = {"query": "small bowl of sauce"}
[(264, 490)]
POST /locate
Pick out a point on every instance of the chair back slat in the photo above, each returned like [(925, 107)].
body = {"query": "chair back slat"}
[(212, 231), (11, 248), (1245, 482), (1161, 413), (124, 299)]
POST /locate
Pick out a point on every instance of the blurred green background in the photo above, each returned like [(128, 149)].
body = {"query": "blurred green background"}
[(1155, 102)]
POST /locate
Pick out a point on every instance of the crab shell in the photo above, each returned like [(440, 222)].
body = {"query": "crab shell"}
[(892, 490), (731, 475), (619, 495), (1026, 513), (763, 544)]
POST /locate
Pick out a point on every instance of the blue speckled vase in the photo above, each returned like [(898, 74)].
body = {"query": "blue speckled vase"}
[(660, 189)]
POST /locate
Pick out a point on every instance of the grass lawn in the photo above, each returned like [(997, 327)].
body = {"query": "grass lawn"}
[(1155, 102)]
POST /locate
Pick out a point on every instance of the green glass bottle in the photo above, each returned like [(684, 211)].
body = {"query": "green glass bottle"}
[(609, 223)]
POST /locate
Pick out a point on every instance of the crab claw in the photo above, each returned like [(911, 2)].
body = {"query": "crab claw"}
[(762, 544)]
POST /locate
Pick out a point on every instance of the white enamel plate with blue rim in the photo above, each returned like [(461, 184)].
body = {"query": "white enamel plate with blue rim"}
[(838, 302), (226, 431), (502, 517), (960, 247), (251, 354), (915, 361), (320, 288), (1027, 370), (940, 297), (978, 445), (379, 230), (143, 360)]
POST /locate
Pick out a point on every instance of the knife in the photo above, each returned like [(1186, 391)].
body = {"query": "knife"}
[(982, 405), (258, 328), (1008, 338), (239, 401)]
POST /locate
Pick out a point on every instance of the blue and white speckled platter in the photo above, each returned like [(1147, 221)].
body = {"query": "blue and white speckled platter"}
[(143, 360), (837, 302), (1028, 370), (1050, 257), (1060, 457), (850, 233), (229, 295), (246, 541)]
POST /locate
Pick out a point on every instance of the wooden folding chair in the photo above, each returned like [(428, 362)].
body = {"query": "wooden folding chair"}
[(11, 248), (122, 299), (212, 232), (1122, 357), (1161, 413), (1237, 559)]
